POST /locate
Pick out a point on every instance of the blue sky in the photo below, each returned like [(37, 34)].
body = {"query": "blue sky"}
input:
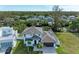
[(37, 7)]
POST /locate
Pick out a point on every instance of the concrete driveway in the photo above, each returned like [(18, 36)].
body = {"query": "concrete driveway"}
[(46, 50), (49, 50)]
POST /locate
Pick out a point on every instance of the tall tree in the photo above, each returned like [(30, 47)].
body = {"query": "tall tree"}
[(74, 26), (56, 15)]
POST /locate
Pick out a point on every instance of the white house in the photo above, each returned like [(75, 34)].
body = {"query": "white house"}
[(31, 40), (7, 38), (34, 35), (50, 20), (72, 18), (63, 17)]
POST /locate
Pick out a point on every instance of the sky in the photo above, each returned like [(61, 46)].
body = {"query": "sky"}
[(37, 7)]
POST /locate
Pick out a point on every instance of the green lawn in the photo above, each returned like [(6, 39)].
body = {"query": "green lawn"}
[(69, 43), (22, 49)]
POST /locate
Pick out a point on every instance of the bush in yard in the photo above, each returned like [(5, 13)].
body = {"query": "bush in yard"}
[(30, 48), (37, 52), (58, 45), (46, 28), (60, 50), (39, 45)]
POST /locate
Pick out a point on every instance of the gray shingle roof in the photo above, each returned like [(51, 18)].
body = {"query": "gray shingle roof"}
[(47, 36)]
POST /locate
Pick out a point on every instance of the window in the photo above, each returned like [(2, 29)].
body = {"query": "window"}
[(39, 34), (7, 32), (39, 40), (6, 44), (29, 42)]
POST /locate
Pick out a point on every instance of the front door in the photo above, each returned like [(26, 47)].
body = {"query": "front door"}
[(35, 41)]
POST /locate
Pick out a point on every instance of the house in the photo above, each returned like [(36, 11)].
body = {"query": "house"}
[(32, 34), (50, 20), (33, 18), (35, 35), (72, 18), (63, 17), (31, 40), (16, 17), (8, 19), (41, 17), (7, 38)]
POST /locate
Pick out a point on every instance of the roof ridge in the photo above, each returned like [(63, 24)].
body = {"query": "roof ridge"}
[(32, 27)]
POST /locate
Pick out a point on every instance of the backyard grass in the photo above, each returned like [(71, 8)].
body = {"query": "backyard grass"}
[(69, 43), (22, 49)]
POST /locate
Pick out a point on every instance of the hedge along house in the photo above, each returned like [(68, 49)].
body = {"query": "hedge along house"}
[(34, 35), (7, 38)]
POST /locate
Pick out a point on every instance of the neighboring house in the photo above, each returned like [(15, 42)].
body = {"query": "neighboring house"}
[(31, 19), (63, 17), (16, 17), (72, 18), (8, 19), (41, 17), (7, 38), (25, 16), (50, 20), (34, 35)]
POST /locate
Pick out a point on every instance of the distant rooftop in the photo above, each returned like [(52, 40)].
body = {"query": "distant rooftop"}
[(7, 37), (6, 33)]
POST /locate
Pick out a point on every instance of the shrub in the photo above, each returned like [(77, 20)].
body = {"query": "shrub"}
[(37, 52), (39, 45), (60, 50), (58, 45), (46, 28)]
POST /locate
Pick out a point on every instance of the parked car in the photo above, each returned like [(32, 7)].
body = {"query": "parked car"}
[(8, 50)]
